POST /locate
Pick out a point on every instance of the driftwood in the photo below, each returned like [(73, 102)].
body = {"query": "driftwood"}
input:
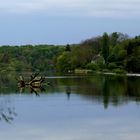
[(35, 84), (35, 81)]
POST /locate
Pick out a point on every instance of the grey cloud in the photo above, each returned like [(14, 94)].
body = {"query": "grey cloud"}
[(87, 8)]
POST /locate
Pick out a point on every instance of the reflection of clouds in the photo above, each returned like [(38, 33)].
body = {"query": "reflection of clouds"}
[(72, 133), (51, 118)]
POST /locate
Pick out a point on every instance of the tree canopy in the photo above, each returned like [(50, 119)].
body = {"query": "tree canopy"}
[(113, 52)]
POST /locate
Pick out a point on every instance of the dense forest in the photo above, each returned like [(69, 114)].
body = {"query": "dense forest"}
[(116, 52)]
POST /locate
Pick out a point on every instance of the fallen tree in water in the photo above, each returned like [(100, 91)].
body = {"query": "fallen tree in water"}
[(35, 81)]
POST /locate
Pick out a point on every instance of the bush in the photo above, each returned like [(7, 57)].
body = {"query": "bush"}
[(92, 66), (100, 62), (133, 64), (112, 66), (119, 71), (122, 54)]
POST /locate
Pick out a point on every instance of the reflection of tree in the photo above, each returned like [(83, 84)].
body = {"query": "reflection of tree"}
[(7, 113), (68, 92), (105, 93), (32, 89), (34, 84), (133, 89), (114, 88), (107, 89), (7, 82), (118, 89)]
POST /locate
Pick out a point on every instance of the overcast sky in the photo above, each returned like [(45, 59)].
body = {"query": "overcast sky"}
[(65, 21)]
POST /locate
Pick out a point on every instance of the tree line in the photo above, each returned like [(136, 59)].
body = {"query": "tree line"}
[(29, 57), (115, 52)]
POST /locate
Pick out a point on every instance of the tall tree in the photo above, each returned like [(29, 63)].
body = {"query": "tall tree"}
[(105, 46), (67, 48), (114, 38)]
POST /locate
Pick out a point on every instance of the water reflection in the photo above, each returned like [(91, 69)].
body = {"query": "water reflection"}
[(34, 84), (68, 92), (31, 89), (71, 108), (7, 111), (105, 89)]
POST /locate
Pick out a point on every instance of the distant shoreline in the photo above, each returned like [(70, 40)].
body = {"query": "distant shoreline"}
[(85, 71), (127, 74)]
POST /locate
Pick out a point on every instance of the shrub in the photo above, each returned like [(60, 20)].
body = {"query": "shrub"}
[(119, 71), (112, 66), (92, 66)]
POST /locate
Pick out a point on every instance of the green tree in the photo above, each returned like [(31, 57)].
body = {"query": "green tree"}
[(67, 48), (114, 38), (64, 62), (105, 46)]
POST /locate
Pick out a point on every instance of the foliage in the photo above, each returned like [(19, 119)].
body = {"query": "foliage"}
[(29, 58), (112, 66), (133, 64), (92, 66), (105, 46), (64, 62), (114, 52), (119, 71)]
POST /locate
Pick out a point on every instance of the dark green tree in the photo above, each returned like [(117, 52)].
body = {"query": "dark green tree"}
[(105, 46), (67, 49)]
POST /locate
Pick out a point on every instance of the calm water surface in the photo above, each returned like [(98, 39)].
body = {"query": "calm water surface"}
[(71, 108)]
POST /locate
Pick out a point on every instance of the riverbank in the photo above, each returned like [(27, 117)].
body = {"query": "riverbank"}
[(127, 74), (84, 71)]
